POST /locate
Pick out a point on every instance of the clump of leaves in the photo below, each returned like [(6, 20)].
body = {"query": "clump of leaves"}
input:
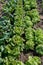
[(5, 30), (30, 45), (12, 51), (29, 36), (34, 15), (33, 60), (20, 63), (11, 61), (29, 32), (28, 21), (18, 30), (39, 49), (19, 41), (39, 36), (9, 6), (29, 4)]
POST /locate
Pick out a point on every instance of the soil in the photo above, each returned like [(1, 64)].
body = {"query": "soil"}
[(24, 55)]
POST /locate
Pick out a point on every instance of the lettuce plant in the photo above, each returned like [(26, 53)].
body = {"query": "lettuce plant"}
[(29, 33), (17, 40), (39, 36), (28, 21), (33, 4), (18, 30), (13, 51), (9, 7), (39, 49), (33, 60), (34, 15), (29, 4), (30, 45), (5, 30), (19, 24)]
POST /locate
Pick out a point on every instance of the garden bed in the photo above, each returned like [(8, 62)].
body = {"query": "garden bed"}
[(24, 55)]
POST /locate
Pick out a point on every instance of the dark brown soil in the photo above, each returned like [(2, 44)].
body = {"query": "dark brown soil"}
[(24, 56)]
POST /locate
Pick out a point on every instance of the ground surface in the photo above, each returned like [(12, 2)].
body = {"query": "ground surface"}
[(24, 55)]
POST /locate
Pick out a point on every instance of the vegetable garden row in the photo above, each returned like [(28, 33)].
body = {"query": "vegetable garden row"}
[(17, 33)]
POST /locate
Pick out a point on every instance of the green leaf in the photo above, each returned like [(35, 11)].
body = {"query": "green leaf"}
[(18, 30), (30, 44), (31, 61), (39, 49), (39, 36), (29, 33)]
